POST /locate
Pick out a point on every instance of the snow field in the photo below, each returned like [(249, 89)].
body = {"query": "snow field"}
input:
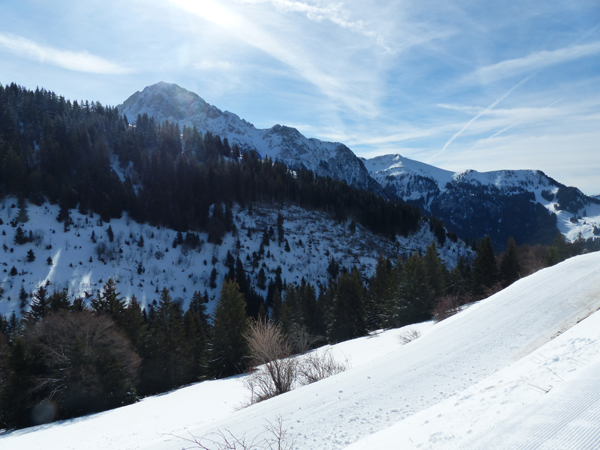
[(513, 364)]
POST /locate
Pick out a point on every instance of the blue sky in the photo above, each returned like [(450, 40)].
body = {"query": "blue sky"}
[(479, 84)]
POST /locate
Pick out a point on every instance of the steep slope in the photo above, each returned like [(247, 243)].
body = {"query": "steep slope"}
[(525, 204), (170, 102), (477, 380), (141, 258)]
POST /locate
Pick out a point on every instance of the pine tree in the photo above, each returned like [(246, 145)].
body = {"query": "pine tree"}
[(228, 346), (379, 293), (40, 305), (109, 301), (197, 329), (509, 264), (347, 313), (416, 294), (436, 271), (485, 272)]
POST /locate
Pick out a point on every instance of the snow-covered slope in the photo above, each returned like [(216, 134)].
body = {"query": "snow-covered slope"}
[(170, 102), (518, 370), (83, 266), (524, 204)]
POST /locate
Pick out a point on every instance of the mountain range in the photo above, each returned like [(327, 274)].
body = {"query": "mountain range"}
[(525, 204)]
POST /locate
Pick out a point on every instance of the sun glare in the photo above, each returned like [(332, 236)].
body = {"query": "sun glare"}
[(210, 10)]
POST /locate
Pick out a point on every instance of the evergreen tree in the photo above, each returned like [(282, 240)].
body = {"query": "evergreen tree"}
[(347, 313), (485, 272), (197, 329), (40, 305), (436, 271), (109, 301), (379, 294), (509, 264), (416, 294), (228, 346)]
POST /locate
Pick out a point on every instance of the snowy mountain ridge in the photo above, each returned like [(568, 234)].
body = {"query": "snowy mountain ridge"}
[(525, 204), (170, 102)]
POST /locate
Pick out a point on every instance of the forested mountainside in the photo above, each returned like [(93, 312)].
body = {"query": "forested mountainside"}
[(169, 102), (525, 205)]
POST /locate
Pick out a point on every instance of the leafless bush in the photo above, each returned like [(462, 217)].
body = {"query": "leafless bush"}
[(276, 372), (446, 306), (274, 437), (409, 336), (314, 367), (269, 352)]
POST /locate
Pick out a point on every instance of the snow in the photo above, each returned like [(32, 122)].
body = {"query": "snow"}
[(517, 370), (184, 271)]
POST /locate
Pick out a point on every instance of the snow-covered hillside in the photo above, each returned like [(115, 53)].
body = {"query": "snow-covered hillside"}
[(82, 266), (170, 102), (517, 370), (477, 203)]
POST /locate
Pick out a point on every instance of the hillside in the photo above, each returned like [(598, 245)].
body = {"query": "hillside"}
[(519, 367), (82, 266)]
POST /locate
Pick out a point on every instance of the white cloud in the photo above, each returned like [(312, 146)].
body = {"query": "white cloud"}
[(332, 12), (76, 61), (536, 61)]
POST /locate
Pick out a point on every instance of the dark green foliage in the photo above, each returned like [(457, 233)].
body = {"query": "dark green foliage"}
[(165, 364), (110, 234), (381, 293), (347, 310), (416, 296), (509, 265), (109, 301), (40, 306), (228, 346), (436, 271), (30, 256), (213, 278), (485, 271)]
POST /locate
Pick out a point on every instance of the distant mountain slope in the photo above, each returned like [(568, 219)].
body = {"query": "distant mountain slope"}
[(170, 102), (525, 204)]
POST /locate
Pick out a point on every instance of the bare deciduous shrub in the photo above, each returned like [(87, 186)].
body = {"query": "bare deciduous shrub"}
[(446, 306), (273, 437), (269, 350), (276, 372), (314, 367), (408, 336)]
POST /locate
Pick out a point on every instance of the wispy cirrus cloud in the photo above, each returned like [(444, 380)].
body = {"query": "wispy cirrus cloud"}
[(76, 61), (333, 13), (536, 61)]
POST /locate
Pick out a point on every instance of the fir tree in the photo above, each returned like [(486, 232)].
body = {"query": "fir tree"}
[(347, 313), (485, 272), (228, 346), (509, 264)]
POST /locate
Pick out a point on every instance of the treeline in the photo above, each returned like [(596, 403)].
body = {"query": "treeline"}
[(65, 152)]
